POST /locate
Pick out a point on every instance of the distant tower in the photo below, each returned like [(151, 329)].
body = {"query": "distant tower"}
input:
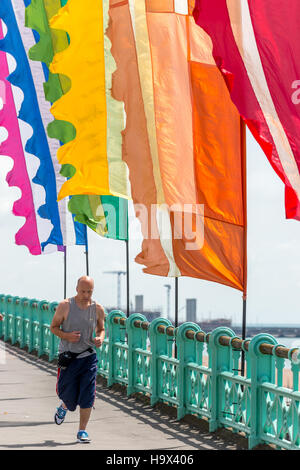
[(119, 274), (168, 286), (139, 303), (191, 307)]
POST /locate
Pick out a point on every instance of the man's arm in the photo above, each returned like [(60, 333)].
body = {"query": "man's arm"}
[(99, 330), (59, 316)]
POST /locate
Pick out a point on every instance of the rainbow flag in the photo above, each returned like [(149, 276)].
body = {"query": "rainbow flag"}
[(35, 170)]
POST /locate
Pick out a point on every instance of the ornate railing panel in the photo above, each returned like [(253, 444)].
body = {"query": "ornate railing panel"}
[(239, 385)]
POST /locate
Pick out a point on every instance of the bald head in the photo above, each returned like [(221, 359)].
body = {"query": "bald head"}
[(84, 288), (86, 280)]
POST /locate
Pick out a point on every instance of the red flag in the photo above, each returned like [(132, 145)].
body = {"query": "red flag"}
[(256, 46)]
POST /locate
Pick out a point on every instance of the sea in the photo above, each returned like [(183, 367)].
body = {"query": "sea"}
[(289, 342)]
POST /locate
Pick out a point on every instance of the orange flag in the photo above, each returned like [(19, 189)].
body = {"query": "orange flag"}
[(182, 143)]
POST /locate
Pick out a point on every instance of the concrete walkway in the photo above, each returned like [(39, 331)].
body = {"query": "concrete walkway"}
[(28, 401)]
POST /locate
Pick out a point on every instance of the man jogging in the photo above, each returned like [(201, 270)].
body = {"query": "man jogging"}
[(74, 322)]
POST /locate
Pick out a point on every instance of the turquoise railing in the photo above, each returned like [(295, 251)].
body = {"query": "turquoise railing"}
[(203, 380)]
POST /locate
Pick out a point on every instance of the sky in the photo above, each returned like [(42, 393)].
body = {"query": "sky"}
[(273, 260)]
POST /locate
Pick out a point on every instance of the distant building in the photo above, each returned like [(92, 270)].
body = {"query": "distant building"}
[(139, 303), (209, 325), (151, 315), (191, 314), (139, 308), (191, 310)]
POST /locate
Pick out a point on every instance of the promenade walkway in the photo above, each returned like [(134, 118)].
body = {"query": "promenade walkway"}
[(28, 401)]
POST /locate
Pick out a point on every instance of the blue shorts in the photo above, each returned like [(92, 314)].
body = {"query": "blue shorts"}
[(76, 385)]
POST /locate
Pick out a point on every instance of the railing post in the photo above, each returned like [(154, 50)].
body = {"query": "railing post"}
[(137, 338), (54, 340), (20, 321), (8, 317), (40, 332), (102, 352), (45, 333), (5, 322), (115, 335), (26, 309), (186, 351), (247, 359), (159, 347), (262, 370), (2, 310), (14, 313), (220, 358), (28, 324), (35, 321)]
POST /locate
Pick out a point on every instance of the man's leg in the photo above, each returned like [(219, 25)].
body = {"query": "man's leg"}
[(85, 414), (87, 389), (67, 391), (67, 387)]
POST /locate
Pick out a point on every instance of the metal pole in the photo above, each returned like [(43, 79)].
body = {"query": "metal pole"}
[(176, 310), (176, 302), (244, 179), (168, 299), (244, 334), (65, 272), (244, 319), (86, 252), (87, 256), (119, 291), (127, 274)]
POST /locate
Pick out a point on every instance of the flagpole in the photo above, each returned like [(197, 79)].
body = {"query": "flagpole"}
[(87, 254), (127, 273), (176, 302), (244, 176), (65, 272), (176, 310)]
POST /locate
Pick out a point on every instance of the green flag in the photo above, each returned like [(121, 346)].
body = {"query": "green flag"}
[(106, 215)]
